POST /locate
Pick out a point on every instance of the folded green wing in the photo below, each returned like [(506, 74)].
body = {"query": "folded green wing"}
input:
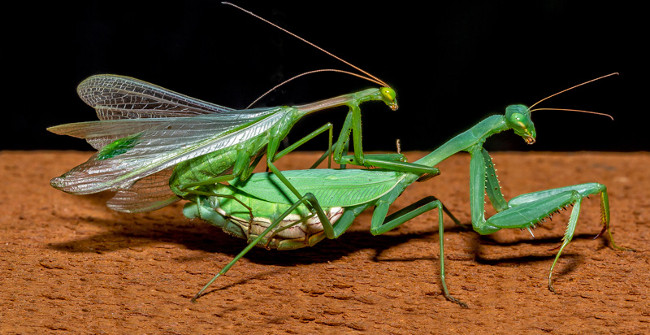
[(340, 188)]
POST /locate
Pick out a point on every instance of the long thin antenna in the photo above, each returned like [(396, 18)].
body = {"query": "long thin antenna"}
[(572, 87), (377, 80), (306, 73), (572, 110)]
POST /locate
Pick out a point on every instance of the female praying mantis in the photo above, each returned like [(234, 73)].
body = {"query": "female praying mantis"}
[(156, 146), (267, 214)]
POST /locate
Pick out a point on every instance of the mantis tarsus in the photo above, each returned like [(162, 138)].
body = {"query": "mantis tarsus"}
[(282, 222), (156, 146)]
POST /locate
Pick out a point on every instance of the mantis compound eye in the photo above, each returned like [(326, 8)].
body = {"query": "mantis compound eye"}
[(388, 93), (517, 118)]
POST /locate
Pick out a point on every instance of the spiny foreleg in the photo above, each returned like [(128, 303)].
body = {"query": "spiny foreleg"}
[(529, 210)]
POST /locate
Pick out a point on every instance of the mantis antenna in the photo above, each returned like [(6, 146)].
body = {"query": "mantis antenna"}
[(366, 75), (568, 89), (306, 73)]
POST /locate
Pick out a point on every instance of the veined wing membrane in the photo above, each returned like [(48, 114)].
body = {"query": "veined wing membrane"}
[(166, 143), (101, 133), (147, 194), (120, 97)]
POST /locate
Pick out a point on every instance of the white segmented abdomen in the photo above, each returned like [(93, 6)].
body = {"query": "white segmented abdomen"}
[(298, 227)]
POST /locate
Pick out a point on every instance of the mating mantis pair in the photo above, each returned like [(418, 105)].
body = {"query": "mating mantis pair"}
[(280, 221), (156, 146)]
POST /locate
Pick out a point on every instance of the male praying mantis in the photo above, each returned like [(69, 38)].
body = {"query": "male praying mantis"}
[(279, 219), (156, 146)]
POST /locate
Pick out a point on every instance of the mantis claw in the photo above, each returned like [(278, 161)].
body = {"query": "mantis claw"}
[(454, 300), (550, 285)]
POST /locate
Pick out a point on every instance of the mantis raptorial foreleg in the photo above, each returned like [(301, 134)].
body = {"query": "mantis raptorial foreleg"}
[(528, 210), (395, 162), (349, 130)]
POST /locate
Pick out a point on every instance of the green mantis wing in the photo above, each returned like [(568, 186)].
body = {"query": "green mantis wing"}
[(332, 188), (132, 148)]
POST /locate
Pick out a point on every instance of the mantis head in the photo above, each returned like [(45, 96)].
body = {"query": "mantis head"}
[(518, 119), (518, 116), (389, 97)]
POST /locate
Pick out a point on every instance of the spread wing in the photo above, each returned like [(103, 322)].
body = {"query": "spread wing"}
[(145, 129), (119, 97), (147, 194), (147, 146)]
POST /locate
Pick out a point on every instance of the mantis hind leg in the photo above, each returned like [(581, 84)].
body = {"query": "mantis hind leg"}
[(330, 231)]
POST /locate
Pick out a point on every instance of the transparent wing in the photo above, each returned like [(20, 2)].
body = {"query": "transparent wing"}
[(184, 129), (119, 97), (162, 144), (100, 133), (147, 194)]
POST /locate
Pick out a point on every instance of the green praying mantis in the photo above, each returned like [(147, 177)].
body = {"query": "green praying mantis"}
[(268, 214), (156, 146)]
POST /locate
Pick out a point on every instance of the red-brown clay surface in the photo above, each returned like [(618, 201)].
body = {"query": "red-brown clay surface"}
[(70, 265)]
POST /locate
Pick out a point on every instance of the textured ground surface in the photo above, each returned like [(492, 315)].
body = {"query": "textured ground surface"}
[(68, 264)]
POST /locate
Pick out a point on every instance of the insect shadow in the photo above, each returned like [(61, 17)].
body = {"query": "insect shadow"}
[(133, 231), (532, 255), (125, 231), (479, 242)]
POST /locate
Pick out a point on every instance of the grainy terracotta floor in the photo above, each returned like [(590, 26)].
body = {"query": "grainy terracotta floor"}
[(70, 265)]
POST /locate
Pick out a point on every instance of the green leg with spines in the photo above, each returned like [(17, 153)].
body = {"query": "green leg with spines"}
[(528, 210)]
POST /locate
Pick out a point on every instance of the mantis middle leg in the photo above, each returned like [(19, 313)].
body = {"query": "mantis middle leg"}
[(381, 223)]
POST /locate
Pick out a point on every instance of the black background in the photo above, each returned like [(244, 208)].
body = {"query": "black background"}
[(452, 63)]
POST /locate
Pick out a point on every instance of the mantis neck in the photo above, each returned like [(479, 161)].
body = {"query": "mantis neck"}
[(464, 141), (341, 100)]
